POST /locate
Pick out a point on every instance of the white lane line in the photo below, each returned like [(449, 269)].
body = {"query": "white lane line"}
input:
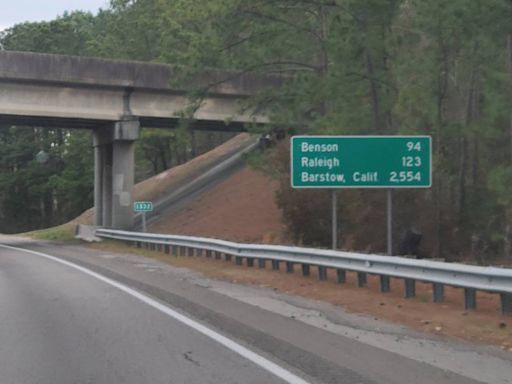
[(264, 363)]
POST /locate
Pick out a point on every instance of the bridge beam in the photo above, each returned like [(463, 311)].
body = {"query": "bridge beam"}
[(114, 148)]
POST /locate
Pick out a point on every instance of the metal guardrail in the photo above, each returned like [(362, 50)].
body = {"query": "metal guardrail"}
[(439, 274)]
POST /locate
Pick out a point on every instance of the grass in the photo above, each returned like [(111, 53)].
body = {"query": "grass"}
[(60, 233)]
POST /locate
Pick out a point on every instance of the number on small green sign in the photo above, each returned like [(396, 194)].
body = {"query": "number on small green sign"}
[(143, 206)]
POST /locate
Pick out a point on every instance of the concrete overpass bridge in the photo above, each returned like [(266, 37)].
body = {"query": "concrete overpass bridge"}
[(114, 99)]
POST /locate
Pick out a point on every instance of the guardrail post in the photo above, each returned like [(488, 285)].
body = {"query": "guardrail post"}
[(261, 263), (227, 256), (506, 303), (305, 269), (361, 279), (438, 292), (175, 250), (385, 283), (275, 265), (167, 249), (139, 244), (183, 251), (217, 255), (469, 298), (238, 260), (410, 288), (208, 253), (190, 251), (152, 246), (250, 262), (322, 273), (289, 267), (341, 274), (159, 247), (199, 252)]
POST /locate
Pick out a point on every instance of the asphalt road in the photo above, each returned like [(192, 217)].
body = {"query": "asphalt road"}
[(70, 315)]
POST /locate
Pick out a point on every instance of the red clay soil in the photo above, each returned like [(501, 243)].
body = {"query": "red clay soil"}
[(242, 208)]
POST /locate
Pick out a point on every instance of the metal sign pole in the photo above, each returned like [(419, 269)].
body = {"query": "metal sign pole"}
[(144, 222), (334, 201), (390, 221)]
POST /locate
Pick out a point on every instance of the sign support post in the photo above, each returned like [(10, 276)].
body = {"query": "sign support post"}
[(144, 222), (390, 221), (143, 207), (334, 201)]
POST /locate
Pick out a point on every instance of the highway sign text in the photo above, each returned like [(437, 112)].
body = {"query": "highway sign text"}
[(361, 162)]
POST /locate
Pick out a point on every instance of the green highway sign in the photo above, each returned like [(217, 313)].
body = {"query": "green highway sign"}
[(361, 161), (143, 206)]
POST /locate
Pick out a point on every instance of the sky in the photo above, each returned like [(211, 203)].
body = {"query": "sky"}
[(17, 11)]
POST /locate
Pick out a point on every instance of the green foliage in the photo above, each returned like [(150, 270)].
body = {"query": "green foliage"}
[(442, 68), (60, 233)]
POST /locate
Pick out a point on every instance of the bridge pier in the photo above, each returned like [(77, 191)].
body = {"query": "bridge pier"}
[(114, 154)]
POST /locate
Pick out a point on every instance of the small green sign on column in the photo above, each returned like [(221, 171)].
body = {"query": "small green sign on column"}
[(361, 162), (143, 206)]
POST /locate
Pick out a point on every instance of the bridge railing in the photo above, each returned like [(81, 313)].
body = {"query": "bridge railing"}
[(440, 274)]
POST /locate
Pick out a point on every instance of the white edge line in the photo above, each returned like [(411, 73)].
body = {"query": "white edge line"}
[(261, 361)]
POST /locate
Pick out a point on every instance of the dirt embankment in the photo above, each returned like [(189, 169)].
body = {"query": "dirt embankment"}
[(241, 208)]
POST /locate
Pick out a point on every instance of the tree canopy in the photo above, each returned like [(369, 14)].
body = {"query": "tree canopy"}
[(351, 67)]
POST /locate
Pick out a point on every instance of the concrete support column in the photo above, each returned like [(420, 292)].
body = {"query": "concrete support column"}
[(106, 195), (122, 184), (99, 158), (114, 174)]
